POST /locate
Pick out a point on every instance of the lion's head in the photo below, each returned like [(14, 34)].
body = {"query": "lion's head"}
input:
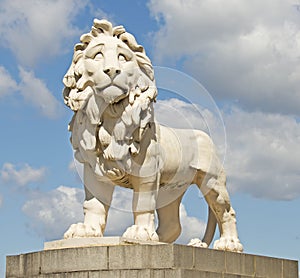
[(111, 63), (111, 79)]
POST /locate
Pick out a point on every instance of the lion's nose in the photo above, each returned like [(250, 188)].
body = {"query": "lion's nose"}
[(112, 72)]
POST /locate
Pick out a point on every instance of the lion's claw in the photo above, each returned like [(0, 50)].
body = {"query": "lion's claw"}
[(196, 242), (228, 244), (141, 233), (83, 230)]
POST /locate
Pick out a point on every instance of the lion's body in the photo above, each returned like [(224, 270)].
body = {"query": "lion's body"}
[(176, 146), (110, 87)]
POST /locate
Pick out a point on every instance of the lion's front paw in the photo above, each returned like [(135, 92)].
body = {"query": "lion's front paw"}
[(83, 230), (196, 242), (228, 244), (141, 233)]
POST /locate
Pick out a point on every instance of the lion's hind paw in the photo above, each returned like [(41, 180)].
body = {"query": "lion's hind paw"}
[(229, 244), (83, 230), (141, 233), (196, 242)]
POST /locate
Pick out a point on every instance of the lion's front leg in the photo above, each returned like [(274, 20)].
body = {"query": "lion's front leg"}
[(95, 208), (144, 203), (94, 221)]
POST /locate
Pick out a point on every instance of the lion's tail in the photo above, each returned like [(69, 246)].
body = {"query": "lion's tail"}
[(210, 228)]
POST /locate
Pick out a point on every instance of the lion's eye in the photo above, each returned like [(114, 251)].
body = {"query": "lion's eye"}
[(98, 55), (122, 58)]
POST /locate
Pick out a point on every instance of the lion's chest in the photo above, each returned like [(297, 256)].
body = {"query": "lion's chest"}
[(109, 158)]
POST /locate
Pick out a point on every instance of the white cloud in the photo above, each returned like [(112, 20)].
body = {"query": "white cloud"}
[(7, 84), (36, 93), (33, 90), (263, 155), (21, 175), (192, 227), (245, 50), (36, 30), (52, 213), (1, 201)]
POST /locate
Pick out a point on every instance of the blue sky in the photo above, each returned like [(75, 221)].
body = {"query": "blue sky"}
[(246, 54)]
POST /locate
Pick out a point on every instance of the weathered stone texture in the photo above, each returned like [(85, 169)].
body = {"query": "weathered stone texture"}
[(146, 261)]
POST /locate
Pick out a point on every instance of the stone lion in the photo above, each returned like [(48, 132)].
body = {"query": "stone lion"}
[(111, 89)]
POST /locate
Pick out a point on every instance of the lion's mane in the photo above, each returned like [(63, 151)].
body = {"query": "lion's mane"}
[(132, 115)]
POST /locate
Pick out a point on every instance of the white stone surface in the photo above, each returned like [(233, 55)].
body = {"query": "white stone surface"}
[(94, 241), (111, 89)]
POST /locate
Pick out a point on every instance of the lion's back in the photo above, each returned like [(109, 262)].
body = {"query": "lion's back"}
[(191, 148)]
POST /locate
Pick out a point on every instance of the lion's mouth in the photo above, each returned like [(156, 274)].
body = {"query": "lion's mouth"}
[(112, 93)]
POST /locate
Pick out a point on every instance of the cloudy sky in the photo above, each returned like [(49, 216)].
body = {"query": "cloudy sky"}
[(246, 54)]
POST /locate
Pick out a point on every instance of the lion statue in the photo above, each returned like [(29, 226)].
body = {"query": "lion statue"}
[(111, 89)]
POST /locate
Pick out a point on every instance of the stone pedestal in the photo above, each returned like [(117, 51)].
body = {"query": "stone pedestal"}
[(123, 259)]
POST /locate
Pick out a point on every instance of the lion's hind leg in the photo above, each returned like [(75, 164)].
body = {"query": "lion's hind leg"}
[(217, 197), (169, 227)]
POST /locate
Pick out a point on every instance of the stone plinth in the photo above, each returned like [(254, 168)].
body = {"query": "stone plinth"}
[(95, 241), (146, 261)]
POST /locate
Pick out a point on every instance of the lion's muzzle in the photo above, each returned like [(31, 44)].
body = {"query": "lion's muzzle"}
[(112, 94)]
